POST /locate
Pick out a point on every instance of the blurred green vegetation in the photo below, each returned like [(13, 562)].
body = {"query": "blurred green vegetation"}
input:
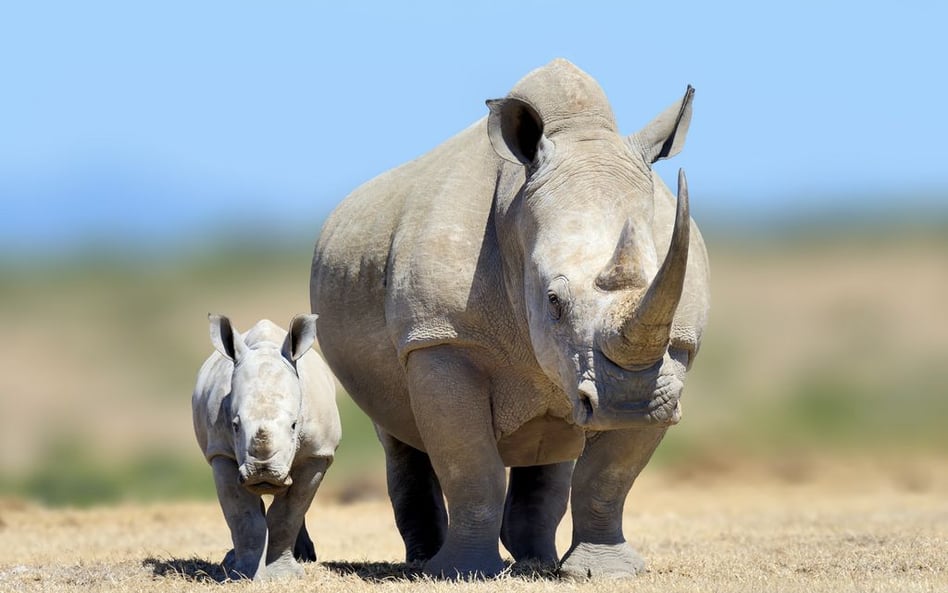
[(71, 473), (819, 344)]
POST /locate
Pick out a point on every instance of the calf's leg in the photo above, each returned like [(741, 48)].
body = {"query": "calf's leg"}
[(286, 515), (244, 515)]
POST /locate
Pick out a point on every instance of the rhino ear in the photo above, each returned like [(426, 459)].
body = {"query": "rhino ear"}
[(300, 338), (515, 130), (225, 340), (664, 136)]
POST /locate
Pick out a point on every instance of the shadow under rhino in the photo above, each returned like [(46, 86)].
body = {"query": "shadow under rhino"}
[(379, 572), (189, 569)]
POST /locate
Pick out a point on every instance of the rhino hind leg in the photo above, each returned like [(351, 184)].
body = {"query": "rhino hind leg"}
[(416, 498), (303, 549), (535, 505), (602, 478)]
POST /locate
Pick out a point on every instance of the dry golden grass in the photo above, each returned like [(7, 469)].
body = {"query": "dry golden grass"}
[(844, 527)]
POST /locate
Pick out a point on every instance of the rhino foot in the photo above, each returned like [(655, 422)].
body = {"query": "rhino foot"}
[(601, 561), (464, 566)]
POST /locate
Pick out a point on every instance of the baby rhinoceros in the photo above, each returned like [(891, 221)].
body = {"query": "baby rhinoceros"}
[(265, 417)]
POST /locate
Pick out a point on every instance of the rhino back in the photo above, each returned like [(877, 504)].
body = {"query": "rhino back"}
[(415, 246)]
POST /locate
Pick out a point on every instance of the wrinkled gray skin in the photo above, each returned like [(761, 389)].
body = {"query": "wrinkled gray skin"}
[(265, 417), (506, 300)]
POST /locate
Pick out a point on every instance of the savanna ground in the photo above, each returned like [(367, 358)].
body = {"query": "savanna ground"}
[(852, 527), (812, 456)]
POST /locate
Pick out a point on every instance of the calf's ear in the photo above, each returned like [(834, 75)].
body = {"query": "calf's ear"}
[(225, 340), (664, 136), (300, 338)]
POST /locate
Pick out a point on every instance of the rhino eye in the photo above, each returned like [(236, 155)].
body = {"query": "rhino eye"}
[(236, 424), (557, 296), (293, 427), (555, 305)]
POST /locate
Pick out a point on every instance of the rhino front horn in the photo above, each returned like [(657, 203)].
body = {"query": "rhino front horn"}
[(642, 338)]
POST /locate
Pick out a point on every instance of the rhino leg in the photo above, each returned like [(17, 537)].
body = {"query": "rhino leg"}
[(416, 498), (450, 397), (601, 481), (244, 516), (303, 549), (536, 502), (285, 519)]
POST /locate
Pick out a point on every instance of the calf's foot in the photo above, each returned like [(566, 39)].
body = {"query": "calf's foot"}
[(284, 568)]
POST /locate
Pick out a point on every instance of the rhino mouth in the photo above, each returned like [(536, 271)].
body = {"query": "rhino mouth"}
[(656, 412), (265, 482), (662, 408), (267, 487)]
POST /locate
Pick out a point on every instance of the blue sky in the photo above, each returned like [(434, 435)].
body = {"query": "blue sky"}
[(141, 122)]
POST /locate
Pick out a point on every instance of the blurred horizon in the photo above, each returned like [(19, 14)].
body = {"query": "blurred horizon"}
[(148, 226)]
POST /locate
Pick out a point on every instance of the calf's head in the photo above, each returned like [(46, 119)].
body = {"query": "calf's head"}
[(580, 251), (265, 401)]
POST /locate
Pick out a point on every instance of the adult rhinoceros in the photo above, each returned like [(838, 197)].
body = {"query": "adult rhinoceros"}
[(510, 299)]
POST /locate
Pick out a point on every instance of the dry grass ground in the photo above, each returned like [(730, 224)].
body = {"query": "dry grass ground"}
[(845, 527)]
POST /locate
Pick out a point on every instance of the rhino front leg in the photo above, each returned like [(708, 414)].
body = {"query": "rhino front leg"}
[(416, 498), (601, 481), (285, 518), (536, 503), (450, 398), (244, 515)]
